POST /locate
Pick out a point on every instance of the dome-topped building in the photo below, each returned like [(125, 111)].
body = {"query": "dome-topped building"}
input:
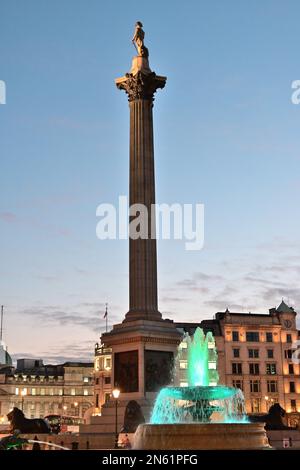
[(5, 358)]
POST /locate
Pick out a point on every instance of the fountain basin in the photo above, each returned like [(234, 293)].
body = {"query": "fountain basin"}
[(201, 436)]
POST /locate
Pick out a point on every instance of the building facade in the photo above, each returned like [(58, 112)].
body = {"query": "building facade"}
[(259, 356), (102, 377), (41, 390), (256, 353)]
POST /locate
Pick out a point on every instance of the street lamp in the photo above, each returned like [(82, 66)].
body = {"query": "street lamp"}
[(23, 394), (267, 402), (116, 393)]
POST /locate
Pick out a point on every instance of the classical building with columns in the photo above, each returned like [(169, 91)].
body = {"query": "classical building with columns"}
[(40, 390)]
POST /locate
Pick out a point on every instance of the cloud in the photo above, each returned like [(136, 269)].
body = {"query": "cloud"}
[(83, 352), (86, 314)]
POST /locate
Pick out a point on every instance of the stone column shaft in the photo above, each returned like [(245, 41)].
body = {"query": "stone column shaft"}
[(142, 252), (140, 85)]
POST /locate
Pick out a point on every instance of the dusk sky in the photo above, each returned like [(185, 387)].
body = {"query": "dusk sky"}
[(226, 135)]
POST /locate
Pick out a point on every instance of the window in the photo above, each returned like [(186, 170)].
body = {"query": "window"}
[(271, 368), (97, 400), (17, 391), (85, 392), (108, 363), (236, 352), (85, 379), (270, 353), (212, 365), (288, 354), (269, 337), (42, 391), (235, 336), (252, 336), (183, 384), (236, 368), (237, 384), (272, 386), (254, 386), (183, 364), (293, 405), (288, 338), (106, 397), (255, 405), (291, 369), (253, 368), (97, 381), (33, 391), (292, 387), (73, 391), (60, 391), (107, 380), (253, 353)]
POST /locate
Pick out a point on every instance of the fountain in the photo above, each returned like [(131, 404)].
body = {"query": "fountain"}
[(202, 414)]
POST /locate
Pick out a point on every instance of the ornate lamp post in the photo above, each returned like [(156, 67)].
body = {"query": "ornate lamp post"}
[(116, 393), (23, 394)]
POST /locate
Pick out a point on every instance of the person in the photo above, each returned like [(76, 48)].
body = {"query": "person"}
[(138, 40)]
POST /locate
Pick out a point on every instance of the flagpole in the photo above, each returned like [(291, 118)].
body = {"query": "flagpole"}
[(106, 319)]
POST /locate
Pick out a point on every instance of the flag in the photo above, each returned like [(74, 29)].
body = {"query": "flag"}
[(105, 314)]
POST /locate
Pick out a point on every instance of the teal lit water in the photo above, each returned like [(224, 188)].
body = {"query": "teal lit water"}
[(199, 402)]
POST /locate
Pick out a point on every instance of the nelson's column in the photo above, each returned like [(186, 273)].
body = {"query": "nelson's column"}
[(143, 345)]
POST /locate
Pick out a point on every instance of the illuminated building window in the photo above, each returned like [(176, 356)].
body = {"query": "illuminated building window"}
[(212, 365), (33, 391), (85, 379), (42, 391), (73, 392), (255, 405), (183, 364), (271, 368), (183, 384), (17, 391), (85, 392), (60, 391), (269, 337), (108, 363)]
